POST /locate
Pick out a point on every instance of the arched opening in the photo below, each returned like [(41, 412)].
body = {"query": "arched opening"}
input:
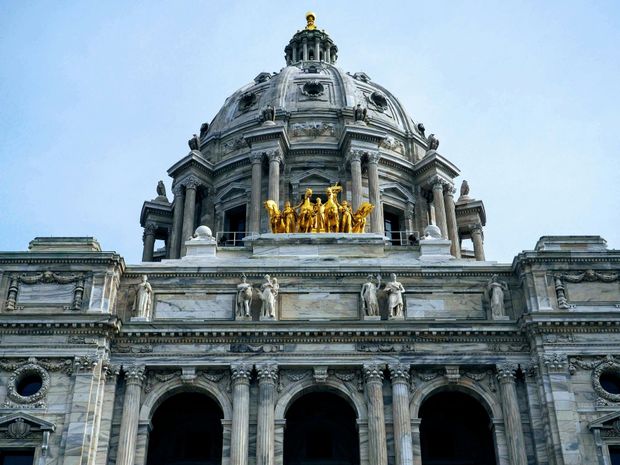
[(187, 430), (321, 428), (455, 429)]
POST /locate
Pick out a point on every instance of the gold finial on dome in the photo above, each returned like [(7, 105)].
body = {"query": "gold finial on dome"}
[(310, 17)]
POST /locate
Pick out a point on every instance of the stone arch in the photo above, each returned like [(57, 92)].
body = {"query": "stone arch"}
[(335, 386), (467, 386), (168, 389)]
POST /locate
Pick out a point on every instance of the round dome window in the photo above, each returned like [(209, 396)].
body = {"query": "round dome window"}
[(29, 384), (610, 381), (313, 89), (379, 100)]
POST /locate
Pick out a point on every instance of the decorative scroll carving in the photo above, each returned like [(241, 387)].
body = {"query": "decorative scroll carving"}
[(154, 377), (46, 277), (399, 372), (267, 372), (64, 366), (589, 276), (391, 143), (313, 128), (258, 348), (379, 347), (320, 374), (234, 144)]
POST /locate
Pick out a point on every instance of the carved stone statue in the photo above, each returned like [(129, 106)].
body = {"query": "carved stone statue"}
[(244, 298), (395, 291), (143, 302), (495, 293), (360, 114), (370, 304), (194, 143), (433, 142), (204, 128), (161, 189), (432, 232), (422, 129), (269, 114), (464, 189), (269, 293)]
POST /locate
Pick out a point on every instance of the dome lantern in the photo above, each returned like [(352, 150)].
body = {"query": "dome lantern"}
[(311, 44)]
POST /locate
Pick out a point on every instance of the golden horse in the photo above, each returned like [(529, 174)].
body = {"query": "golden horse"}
[(275, 217), (332, 220), (359, 217), (306, 213)]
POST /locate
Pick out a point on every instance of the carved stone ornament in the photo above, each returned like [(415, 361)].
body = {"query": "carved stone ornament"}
[(46, 277), (267, 372), (399, 372), (313, 129), (247, 101), (373, 372), (584, 276), (376, 347), (379, 100), (608, 366), (320, 374), (391, 143), (24, 426), (155, 377), (234, 144), (36, 399), (555, 362), (506, 372), (19, 429), (313, 89), (240, 373)]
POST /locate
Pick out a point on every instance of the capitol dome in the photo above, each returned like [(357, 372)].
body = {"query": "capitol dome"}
[(310, 126)]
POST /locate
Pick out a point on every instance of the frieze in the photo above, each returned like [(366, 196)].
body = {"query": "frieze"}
[(589, 276), (379, 347), (313, 128), (64, 365), (127, 348), (256, 348), (46, 277)]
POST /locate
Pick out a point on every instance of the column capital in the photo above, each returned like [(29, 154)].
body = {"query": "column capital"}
[(191, 182), (111, 371), (355, 155), (373, 372), (506, 372), (449, 190), (150, 228), (267, 372), (274, 155), (399, 372), (256, 157), (373, 157), (240, 373), (177, 189), (134, 374), (476, 228)]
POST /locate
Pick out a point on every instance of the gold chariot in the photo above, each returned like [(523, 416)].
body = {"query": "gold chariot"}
[(318, 217)]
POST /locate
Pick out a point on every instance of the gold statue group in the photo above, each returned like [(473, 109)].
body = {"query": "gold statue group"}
[(318, 217)]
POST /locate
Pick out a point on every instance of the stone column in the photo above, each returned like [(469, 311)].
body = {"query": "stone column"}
[(189, 210), (403, 443), (421, 211), (255, 199), (111, 373), (294, 53), (275, 158), (134, 375), (148, 239), (355, 159), (239, 438), (305, 43), (317, 49), (453, 232), (177, 221), (478, 239), (376, 217), (328, 56), (512, 416), (440, 209), (377, 446), (265, 428)]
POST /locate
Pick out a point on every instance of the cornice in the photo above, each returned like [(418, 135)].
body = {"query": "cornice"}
[(56, 258)]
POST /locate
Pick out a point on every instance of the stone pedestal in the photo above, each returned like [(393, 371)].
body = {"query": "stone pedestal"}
[(318, 245), (201, 246), (435, 250), (372, 318)]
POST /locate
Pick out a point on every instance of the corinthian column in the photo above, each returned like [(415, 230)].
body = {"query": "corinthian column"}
[(377, 447), (355, 158), (265, 437), (376, 217), (189, 210), (453, 233), (256, 159), (399, 373), (134, 376), (239, 438), (177, 221), (148, 240), (477, 239), (512, 416), (440, 209), (275, 158)]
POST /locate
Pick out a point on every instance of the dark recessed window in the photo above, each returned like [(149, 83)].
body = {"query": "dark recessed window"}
[(610, 381), (16, 457), (29, 385), (614, 455)]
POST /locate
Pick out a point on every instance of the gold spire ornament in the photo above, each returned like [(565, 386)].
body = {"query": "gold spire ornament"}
[(310, 17), (318, 217)]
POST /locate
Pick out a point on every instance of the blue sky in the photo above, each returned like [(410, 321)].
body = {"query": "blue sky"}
[(98, 99)]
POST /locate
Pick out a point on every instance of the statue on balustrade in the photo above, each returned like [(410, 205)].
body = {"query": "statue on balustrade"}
[(495, 293), (194, 143), (306, 213), (204, 128), (161, 189), (143, 302), (269, 293), (275, 217), (433, 142), (269, 114), (359, 217), (244, 298), (332, 218), (370, 304), (360, 114), (395, 292)]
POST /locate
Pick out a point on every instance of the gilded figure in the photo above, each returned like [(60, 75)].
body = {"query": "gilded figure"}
[(359, 217), (332, 219), (346, 218), (290, 218), (275, 217), (319, 216), (310, 18), (306, 213)]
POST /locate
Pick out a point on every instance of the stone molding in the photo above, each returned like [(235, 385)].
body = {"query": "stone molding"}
[(35, 400), (320, 374)]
